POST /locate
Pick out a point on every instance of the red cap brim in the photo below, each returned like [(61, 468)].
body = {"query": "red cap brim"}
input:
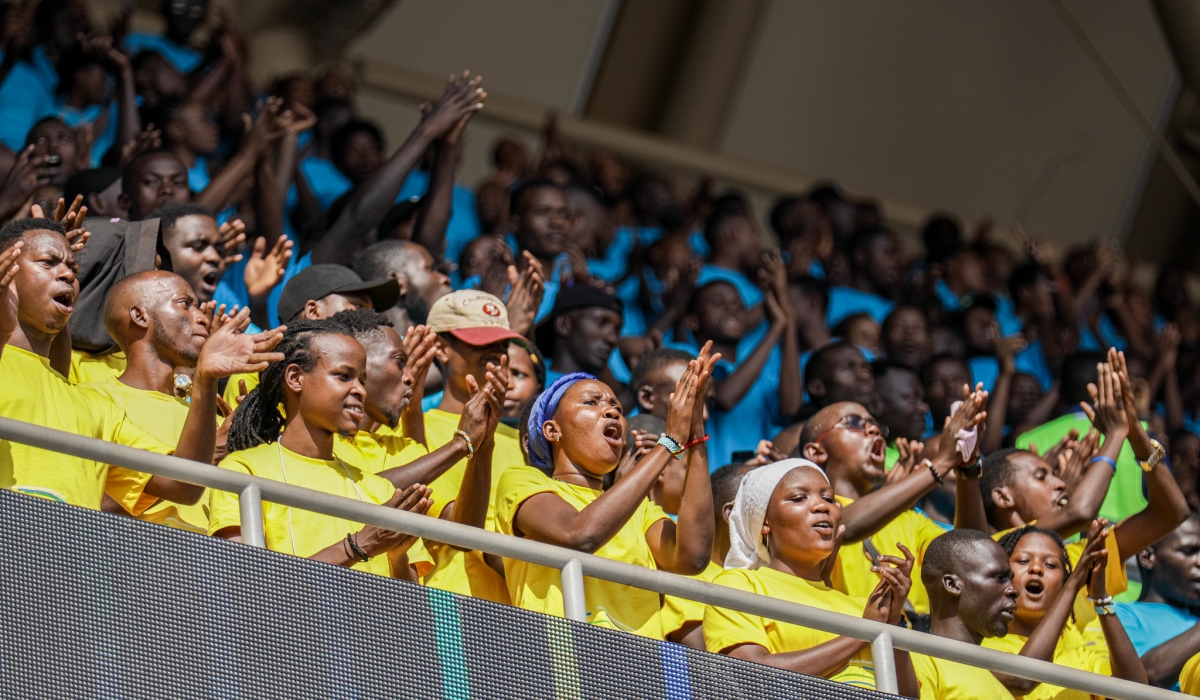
[(485, 336)]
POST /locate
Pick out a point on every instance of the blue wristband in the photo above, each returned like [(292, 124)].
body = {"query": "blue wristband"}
[(673, 446), (1107, 460)]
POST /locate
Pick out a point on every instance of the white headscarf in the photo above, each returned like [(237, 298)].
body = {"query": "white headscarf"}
[(746, 547)]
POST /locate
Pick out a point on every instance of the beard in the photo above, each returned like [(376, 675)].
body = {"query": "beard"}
[(416, 307), (187, 354)]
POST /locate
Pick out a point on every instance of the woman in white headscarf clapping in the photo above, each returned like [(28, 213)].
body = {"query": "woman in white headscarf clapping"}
[(785, 529)]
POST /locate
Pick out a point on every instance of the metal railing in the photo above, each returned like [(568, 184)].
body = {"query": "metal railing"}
[(573, 565)]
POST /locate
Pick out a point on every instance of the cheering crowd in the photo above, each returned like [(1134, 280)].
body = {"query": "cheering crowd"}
[(991, 442)]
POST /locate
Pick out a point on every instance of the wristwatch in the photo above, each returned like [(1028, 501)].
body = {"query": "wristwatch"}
[(971, 471), (1155, 457)]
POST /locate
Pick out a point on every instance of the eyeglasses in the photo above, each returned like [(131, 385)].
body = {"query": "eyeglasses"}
[(858, 424)]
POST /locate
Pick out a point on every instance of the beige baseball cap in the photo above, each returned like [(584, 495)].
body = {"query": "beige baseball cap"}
[(476, 318)]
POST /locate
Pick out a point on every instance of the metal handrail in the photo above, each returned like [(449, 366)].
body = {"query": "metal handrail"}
[(574, 564)]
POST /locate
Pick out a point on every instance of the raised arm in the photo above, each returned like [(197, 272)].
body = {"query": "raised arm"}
[(260, 134), (1006, 352), (434, 215), (791, 390), (374, 197), (420, 346), (684, 547), (545, 517), (8, 293), (1166, 506), (1123, 657), (731, 389)]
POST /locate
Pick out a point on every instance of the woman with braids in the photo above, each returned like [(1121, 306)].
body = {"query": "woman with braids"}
[(576, 436), (319, 386), (1043, 576)]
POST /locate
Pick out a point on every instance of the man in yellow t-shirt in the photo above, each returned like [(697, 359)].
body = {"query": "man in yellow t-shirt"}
[(971, 597), (317, 292), (86, 367), (155, 320), (46, 289), (850, 445), (472, 332)]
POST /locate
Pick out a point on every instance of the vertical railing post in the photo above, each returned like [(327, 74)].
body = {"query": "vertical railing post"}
[(574, 600), (884, 659), (250, 503)]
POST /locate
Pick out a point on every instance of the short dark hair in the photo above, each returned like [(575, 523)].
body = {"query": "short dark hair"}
[(339, 138), (694, 300), (942, 237), (942, 357), (171, 212), (653, 361), (72, 60), (1025, 275), (779, 212), (999, 471), (880, 368), (947, 553), (521, 193), (372, 262), (38, 123), (865, 237), (1079, 370), (818, 362), (129, 177), (1011, 538), (364, 324), (813, 287), (726, 481), (842, 329), (11, 233), (712, 229)]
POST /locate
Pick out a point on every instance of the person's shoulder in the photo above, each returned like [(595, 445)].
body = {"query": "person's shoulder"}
[(741, 579), (246, 461), (522, 477)]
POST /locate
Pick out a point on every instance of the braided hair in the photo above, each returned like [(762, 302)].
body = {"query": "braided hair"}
[(258, 418), (1010, 540)]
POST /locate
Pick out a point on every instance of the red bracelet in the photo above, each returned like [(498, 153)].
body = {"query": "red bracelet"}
[(695, 442)]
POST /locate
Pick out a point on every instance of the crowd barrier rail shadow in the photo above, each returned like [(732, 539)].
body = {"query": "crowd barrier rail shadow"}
[(95, 605)]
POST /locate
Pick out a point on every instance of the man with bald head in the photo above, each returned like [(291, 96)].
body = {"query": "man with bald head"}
[(848, 442), (155, 319), (41, 289)]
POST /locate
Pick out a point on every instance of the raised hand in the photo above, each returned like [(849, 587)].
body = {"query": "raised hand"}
[(265, 269), (70, 217), (526, 294), (85, 138), (912, 452), (705, 362), (8, 309), (462, 97), (420, 344), (149, 139), (264, 129), (475, 416), (1072, 462), (297, 118), (682, 402), (1094, 556), (969, 416), (495, 389), (229, 351), (19, 184), (767, 453), (233, 240), (1108, 415), (1007, 350), (896, 573)]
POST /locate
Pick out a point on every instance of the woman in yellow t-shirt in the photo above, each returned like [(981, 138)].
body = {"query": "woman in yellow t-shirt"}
[(1041, 573), (784, 533), (319, 386), (576, 436)]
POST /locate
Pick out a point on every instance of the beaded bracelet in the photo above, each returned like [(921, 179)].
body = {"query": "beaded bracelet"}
[(695, 442), (358, 551), (673, 446), (467, 438)]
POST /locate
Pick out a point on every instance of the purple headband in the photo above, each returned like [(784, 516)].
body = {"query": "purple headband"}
[(543, 410)]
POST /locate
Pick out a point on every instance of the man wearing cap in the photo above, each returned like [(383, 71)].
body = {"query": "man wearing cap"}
[(472, 330), (318, 292), (581, 334)]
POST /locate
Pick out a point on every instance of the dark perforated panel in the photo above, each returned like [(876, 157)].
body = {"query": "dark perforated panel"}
[(99, 606)]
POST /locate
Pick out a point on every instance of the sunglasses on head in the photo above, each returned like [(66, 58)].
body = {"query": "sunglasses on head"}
[(856, 423)]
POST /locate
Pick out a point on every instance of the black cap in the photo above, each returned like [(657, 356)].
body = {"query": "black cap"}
[(584, 296), (319, 281)]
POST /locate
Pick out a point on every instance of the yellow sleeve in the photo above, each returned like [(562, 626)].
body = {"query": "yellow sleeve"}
[(224, 509), (420, 559), (724, 628), (651, 513), (123, 485), (516, 485), (1189, 677), (927, 676)]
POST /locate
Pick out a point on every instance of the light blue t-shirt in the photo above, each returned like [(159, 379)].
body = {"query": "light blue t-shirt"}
[(184, 59), (1152, 624), (615, 262), (232, 287), (26, 95), (324, 180), (74, 118), (847, 301)]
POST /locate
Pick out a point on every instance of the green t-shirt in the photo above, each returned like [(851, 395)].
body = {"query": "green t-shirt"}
[(1124, 496)]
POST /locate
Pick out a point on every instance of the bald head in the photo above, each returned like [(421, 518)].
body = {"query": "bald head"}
[(160, 308)]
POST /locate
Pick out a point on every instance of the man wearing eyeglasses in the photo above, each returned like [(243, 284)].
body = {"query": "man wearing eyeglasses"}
[(850, 445)]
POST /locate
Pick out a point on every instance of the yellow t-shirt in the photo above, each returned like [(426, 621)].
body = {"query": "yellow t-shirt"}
[(379, 451), (1189, 677), (677, 612), (728, 628), (86, 367), (292, 530), (163, 416), (538, 588), (35, 393), (1073, 650), (852, 574), (456, 570), (1115, 580), (949, 680), (232, 392)]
